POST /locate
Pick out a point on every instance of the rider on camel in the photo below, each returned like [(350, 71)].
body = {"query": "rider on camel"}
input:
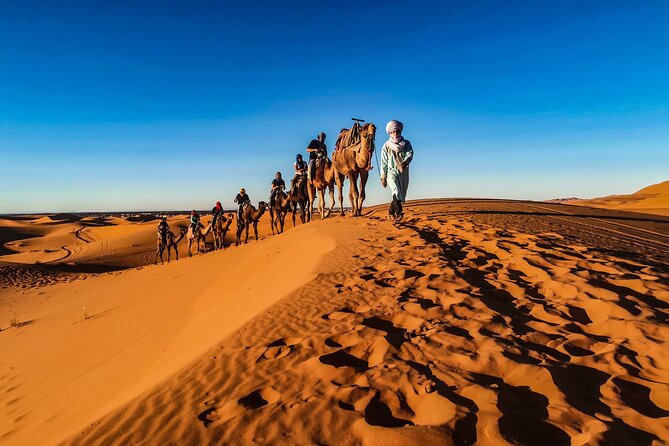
[(317, 150), (300, 169), (194, 221), (163, 228), (277, 185), (216, 212), (241, 199)]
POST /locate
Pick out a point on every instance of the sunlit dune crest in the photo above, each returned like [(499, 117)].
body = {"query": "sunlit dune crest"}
[(653, 199)]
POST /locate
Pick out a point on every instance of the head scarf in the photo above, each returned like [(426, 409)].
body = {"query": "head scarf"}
[(394, 125), (395, 143)]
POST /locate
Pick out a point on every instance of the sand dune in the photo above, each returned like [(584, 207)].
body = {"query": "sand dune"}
[(84, 348), (474, 321), (56, 244), (653, 199)]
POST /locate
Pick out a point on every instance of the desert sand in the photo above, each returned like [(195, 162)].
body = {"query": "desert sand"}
[(472, 321), (653, 199)]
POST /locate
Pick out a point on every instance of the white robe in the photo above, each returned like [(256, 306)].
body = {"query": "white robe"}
[(390, 170)]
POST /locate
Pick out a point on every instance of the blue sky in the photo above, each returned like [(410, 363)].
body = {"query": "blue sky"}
[(120, 106)]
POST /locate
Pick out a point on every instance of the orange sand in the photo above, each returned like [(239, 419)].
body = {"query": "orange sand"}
[(474, 321), (650, 200)]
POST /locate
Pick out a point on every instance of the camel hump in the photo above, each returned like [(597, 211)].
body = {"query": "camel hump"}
[(348, 137)]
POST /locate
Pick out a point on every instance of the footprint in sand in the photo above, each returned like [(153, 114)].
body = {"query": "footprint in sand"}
[(279, 348), (254, 400), (339, 314)]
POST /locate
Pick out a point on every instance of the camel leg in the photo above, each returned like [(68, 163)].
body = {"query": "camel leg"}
[(339, 179), (321, 203), (176, 252), (312, 196), (255, 229), (271, 219), (246, 233), (353, 193), (190, 242), (364, 175), (332, 200), (239, 235)]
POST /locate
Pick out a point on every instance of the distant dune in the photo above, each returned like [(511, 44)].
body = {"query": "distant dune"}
[(473, 321), (651, 200)]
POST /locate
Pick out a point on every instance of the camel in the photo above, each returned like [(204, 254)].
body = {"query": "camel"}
[(299, 197), (170, 242), (220, 229), (324, 178), (249, 216), (352, 158), (196, 236), (277, 212)]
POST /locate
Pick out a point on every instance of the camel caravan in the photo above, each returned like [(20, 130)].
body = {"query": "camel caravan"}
[(351, 159)]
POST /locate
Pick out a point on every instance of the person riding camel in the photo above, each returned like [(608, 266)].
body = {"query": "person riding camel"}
[(194, 221), (396, 155), (317, 150), (300, 169), (277, 185), (216, 212), (163, 228), (241, 199)]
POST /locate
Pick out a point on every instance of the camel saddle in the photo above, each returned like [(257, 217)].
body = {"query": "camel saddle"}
[(348, 137)]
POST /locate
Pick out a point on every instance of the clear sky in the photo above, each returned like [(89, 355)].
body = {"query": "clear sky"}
[(174, 105)]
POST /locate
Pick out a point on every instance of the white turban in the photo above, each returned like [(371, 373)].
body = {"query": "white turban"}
[(394, 125)]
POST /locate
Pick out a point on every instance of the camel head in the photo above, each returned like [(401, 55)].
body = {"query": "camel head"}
[(366, 149), (262, 206)]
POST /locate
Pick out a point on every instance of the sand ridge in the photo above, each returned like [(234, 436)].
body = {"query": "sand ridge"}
[(80, 349), (652, 199), (483, 322), (40, 250)]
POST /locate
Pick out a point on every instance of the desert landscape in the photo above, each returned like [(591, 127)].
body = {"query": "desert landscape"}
[(470, 322), (652, 199)]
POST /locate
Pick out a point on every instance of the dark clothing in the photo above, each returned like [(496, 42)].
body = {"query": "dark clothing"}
[(216, 214), (194, 222), (163, 227), (395, 211), (319, 146), (241, 200), (300, 166), (277, 185)]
